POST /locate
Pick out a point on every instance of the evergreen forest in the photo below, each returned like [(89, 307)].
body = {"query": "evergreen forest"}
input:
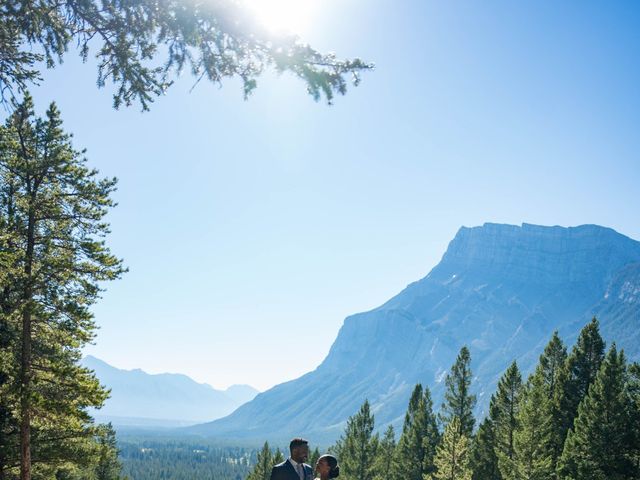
[(576, 417)]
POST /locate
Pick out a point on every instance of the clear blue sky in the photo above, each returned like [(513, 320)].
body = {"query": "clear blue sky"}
[(251, 229)]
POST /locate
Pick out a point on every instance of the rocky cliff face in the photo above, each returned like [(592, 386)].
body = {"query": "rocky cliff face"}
[(499, 289)]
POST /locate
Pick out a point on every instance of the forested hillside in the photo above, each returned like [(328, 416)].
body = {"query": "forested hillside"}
[(576, 417)]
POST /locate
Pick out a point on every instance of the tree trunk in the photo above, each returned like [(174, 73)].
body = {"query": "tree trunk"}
[(25, 404), (25, 361)]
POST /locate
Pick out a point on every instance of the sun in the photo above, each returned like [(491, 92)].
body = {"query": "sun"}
[(283, 16)]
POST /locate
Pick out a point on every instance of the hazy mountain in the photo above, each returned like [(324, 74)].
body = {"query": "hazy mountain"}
[(167, 399), (500, 289)]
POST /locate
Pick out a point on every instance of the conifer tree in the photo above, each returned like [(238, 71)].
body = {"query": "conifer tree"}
[(384, 464), (458, 401), (576, 376), (51, 211), (417, 445), (633, 388), (278, 457), (532, 436), (452, 455), (141, 46), (504, 415), (313, 457), (538, 443), (264, 464), (598, 447), (483, 459), (358, 446), (108, 466)]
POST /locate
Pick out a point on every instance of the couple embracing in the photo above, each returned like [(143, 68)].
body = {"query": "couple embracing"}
[(294, 468)]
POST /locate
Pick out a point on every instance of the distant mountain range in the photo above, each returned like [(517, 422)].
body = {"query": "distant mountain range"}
[(499, 289), (164, 400)]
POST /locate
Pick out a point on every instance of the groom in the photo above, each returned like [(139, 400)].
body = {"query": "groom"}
[(294, 467)]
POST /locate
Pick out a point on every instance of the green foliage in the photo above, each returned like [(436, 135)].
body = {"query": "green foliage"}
[(263, 466), (578, 374), (633, 387), (417, 445), (52, 234), (519, 438), (504, 416), (458, 402), (184, 459), (278, 457), (108, 466), (313, 457), (358, 446), (452, 454), (537, 442), (384, 462), (599, 446), (483, 459), (140, 46)]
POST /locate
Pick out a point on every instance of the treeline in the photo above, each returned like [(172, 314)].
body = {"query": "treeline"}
[(184, 460), (53, 260), (577, 416)]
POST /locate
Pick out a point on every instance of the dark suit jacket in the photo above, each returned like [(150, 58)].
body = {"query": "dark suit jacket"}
[(285, 471)]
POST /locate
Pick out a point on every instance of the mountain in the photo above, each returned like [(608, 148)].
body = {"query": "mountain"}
[(141, 399), (499, 289)]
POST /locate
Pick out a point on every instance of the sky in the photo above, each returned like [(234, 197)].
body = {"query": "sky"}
[(251, 229)]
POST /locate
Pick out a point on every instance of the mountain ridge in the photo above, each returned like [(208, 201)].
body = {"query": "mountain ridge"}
[(170, 399), (500, 289)]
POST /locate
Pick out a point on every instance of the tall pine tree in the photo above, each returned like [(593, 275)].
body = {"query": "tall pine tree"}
[(598, 447), (578, 373), (458, 400), (51, 224), (358, 446), (264, 464), (452, 455), (483, 458), (633, 388), (417, 445), (385, 456), (108, 466), (538, 441), (504, 415)]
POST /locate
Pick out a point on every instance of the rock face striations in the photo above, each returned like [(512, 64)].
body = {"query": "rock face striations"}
[(500, 289)]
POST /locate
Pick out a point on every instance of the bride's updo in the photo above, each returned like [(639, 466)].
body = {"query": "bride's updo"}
[(333, 465)]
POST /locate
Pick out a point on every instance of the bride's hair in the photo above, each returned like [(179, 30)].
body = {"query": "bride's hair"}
[(333, 465)]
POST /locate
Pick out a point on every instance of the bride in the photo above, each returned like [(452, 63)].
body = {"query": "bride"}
[(327, 467)]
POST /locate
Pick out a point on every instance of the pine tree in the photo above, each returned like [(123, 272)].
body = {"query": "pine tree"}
[(384, 462), (538, 444), (358, 446), (141, 45), (452, 455), (633, 388), (417, 445), (264, 464), (108, 466), (483, 459), (532, 436), (458, 401), (598, 447), (51, 211), (504, 414), (313, 457), (278, 457), (576, 376)]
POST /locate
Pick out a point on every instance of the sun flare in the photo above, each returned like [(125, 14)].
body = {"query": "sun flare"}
[(283, 16)]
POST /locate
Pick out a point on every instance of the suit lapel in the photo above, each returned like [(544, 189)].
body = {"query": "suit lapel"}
[(292, 471)]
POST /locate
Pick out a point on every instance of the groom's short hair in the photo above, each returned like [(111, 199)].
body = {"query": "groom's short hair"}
[(297, 442)]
